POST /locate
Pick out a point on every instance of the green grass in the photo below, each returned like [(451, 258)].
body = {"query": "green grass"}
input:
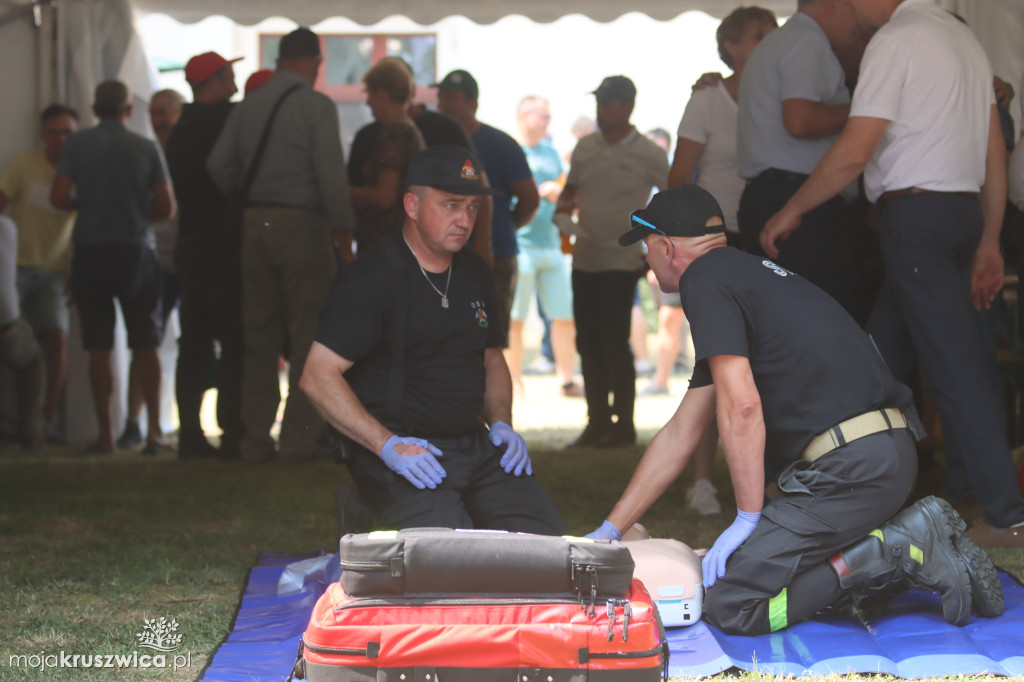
[(91, 547)]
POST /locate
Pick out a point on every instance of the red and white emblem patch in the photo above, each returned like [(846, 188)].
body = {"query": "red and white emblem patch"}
[(468, 172)]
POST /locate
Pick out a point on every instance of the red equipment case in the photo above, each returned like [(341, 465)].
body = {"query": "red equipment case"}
[(483, 639)]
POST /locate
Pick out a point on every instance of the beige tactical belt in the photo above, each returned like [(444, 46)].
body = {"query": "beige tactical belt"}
[(853, 429)]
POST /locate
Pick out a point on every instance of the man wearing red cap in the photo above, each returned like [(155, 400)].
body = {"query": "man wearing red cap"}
[(207, 261)]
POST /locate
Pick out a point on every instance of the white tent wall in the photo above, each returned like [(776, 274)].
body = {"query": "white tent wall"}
[(92, 41)]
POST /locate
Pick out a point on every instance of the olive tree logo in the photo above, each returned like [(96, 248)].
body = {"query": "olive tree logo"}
[(160, 634)]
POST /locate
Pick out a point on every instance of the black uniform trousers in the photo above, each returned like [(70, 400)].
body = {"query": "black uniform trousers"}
[(925, 314), (602, 303), (210, 309), (475, 493), (822, 507), (825, 250)]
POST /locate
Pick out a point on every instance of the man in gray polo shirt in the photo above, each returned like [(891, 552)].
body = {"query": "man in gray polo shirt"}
[(612, 173), (298, 211), (121, 190), (793, 102)]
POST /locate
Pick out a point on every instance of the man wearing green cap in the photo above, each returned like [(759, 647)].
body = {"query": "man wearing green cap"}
[(795, 382), (407, 361)]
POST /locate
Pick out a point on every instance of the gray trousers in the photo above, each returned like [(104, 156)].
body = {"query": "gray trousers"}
[(288, 265), (822, 507)]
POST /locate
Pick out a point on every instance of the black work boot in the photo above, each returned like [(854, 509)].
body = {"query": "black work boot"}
[(915, 548), (986, 591)]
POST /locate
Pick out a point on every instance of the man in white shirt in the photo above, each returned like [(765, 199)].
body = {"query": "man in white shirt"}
[(934, 162)]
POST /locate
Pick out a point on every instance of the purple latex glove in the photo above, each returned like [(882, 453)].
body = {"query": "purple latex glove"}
[(421, 470), (713, 563), (516, 457), (606, 532)]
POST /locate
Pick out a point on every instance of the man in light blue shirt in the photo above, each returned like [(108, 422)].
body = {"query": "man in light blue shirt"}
[(541, 263), (793, 102)]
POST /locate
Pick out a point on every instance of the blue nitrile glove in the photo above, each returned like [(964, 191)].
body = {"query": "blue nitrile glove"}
[(421, 470), (606, 532), (713, 564), (516, 457)]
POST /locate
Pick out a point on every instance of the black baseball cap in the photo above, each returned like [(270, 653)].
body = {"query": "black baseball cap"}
[(615, 88), (680, 212), (299, 43), (449, 168), (461, 81)]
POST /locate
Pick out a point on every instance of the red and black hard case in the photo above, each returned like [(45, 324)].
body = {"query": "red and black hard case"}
[(461, 606)]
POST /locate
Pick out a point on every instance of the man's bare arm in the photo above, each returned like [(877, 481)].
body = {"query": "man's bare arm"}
[(497, 388), (529, 200), (324, 383), (807, 119), (60, 194), (741, 426), (163, 206), (987, 267), (684, 163), (666, 457), (840, 166)]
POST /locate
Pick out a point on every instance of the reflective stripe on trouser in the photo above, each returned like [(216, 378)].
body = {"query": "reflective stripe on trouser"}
[(822, 507)]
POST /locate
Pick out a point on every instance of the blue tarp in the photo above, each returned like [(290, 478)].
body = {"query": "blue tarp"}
[(912, 640)]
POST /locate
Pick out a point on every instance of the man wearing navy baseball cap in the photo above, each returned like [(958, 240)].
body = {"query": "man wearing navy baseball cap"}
[(795, 383), (408, 356)]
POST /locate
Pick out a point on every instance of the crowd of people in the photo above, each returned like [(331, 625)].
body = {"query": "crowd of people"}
[(247, 218)]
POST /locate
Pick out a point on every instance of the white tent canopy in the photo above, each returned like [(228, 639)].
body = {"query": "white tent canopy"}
[(308, 12)]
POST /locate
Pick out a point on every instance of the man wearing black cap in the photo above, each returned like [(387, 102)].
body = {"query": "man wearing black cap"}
[(611, 173), (507, 170), (795, 381), (208, 262), (407, 361), (280, 150)]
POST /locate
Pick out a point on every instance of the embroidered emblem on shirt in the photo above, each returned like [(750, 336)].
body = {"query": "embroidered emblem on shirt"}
[(480, 313), (777, 269), (468, 172)]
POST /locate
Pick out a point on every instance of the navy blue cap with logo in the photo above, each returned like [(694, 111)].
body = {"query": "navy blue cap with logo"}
[(449, 168)]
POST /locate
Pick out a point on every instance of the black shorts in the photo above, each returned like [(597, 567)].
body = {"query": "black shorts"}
[(131, 274)]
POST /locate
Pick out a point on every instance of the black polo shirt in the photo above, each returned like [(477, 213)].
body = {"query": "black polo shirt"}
[(813, 366), (444, 375)]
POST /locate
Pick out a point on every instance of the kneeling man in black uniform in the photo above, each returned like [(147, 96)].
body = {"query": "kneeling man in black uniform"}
[(407, 364), (795, 382)]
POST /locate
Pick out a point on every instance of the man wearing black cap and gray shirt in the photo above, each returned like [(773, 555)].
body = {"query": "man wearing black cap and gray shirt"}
[(611, 173), (793, 380), (507, 170), (407, 361), (281, 151)]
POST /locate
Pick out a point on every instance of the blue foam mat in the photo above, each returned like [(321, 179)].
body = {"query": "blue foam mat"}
[(912, 640)]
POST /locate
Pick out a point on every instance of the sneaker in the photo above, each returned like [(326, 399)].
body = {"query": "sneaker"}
[(984, 535), (701, 498), (643, 368), (986, 592), (652, 390), (540, 366), (131, 436), (572, 390)]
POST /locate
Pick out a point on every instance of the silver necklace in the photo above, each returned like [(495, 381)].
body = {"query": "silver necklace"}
[(442, 294)]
